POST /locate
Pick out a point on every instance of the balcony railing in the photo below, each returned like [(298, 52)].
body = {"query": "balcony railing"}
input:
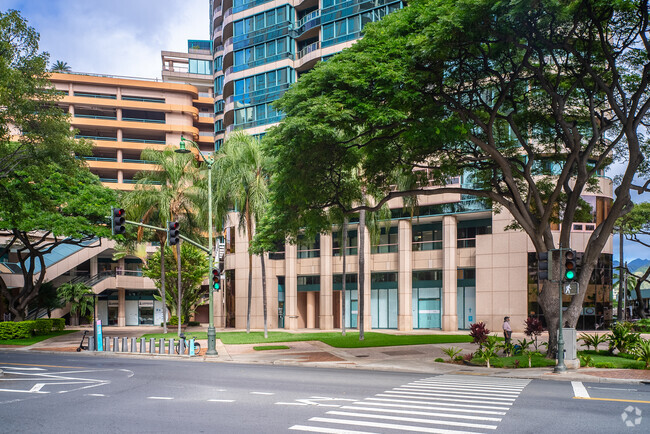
[(308, 49), (151, 121), (155, 142), (113, 118), (80, 136)]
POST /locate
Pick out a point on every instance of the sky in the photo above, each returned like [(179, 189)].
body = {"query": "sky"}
[(125, 38), (115, 37)]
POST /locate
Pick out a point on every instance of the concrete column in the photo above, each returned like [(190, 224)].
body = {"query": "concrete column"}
[(118, 115), (121, 307), (71, 110), (405, 276), (120, 176), (449, 274), (94, 267), (119, 155), (291, 287), (311, 309), (367, 319), (326, 293), (120, 135)]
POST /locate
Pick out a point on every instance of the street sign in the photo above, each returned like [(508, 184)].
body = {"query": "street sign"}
[(570, 288)]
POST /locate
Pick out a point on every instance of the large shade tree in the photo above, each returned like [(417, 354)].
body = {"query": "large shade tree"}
[(533, 98)]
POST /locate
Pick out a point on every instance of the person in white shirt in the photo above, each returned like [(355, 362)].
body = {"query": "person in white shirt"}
[(507, 332)]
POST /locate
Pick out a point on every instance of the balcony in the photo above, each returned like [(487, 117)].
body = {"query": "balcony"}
[(308, 49)]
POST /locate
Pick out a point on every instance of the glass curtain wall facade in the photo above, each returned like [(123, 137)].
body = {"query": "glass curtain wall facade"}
[(261, 47)]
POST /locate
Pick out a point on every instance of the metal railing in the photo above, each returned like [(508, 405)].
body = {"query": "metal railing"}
[(308, 49)]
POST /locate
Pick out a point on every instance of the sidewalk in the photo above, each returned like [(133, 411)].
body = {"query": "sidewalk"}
[(408, 358)]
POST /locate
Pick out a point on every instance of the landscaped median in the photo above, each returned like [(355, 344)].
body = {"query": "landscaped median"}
[(333, 339), (30, 332)]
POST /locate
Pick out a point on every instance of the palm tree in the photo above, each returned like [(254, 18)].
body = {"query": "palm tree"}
[(242, 181), (168, 194), (60, 66), (75, 294)]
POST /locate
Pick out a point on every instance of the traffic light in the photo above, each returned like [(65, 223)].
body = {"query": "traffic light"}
[(543, 266), (117, 221), (216, 279), (172, 233), (569, 265)]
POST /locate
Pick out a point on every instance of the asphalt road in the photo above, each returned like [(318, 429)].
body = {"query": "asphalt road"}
[(73, 393)]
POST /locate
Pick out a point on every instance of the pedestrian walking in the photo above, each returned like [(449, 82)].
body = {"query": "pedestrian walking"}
[(507, 333)]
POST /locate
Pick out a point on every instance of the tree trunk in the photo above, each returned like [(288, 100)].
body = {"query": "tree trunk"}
[(266, 332), (637, 289), (619, 311), (249, 228), (344, 249), (361, 279), (179, 288)]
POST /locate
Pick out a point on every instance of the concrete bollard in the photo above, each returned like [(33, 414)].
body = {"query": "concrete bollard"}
[(116, 344), (152, 345), (191, 347), (161, 346), (133, 345), (91, 343), (171, 346), (181, 346), (107, 343), (142, 345), (125, 344)]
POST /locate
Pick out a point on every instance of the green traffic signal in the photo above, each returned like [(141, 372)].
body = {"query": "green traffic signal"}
[(570, 275), (569, 265)]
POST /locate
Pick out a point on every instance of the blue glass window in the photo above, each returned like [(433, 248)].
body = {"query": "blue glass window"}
[(199, 67), (328, 31)]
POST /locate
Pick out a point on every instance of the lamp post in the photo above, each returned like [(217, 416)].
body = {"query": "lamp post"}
[(212, 341)]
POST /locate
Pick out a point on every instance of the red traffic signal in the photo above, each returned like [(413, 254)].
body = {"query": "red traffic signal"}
[(173, 233), (117, 221)]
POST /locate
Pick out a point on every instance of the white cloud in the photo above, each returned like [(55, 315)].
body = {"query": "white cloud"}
[(118, 37)]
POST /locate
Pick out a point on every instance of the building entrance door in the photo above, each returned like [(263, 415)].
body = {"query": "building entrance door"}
[(429, 313)]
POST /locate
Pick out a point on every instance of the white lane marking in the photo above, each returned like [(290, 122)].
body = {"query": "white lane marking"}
[(423, 413), (451, 394), (290, 403), (159, 397), (579, 390), (221, 400), (95, 394), (325, 430), (437, 406), (613, 388), (444, 398), (37, 387), (413, 419), (385, 425), (20, 391), (262, 393)]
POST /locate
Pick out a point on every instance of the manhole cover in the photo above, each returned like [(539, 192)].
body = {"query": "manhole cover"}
[(362, 355)]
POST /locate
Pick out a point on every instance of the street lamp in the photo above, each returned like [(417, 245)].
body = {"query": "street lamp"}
[(212, 336)]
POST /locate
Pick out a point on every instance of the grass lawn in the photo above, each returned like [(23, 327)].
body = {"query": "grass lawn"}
[(602, 359), (35, 339), (271, 347), (351, 340)]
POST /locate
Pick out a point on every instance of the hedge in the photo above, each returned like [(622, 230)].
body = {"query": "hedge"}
[(26, 329)]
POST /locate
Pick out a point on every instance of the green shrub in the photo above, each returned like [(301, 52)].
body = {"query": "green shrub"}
[(642, 352), (17, 330), (173, 320), (593, 340), (623, 338), (42, 326), (451, 352), (607, 365), (439, 360), (58, 324)]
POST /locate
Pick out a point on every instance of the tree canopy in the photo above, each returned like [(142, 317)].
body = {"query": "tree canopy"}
[(530, 100), (47, 195)]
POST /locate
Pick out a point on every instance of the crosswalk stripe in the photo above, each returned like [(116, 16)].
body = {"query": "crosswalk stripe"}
[(423, 413), (325, 430), (444, 398), (413, 419), (453, 394), (443, 404), (388, 426), (463, 386), (472, 392), (437, 406)]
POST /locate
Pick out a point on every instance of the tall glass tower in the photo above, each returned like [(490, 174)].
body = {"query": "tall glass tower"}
[(260, 47)]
